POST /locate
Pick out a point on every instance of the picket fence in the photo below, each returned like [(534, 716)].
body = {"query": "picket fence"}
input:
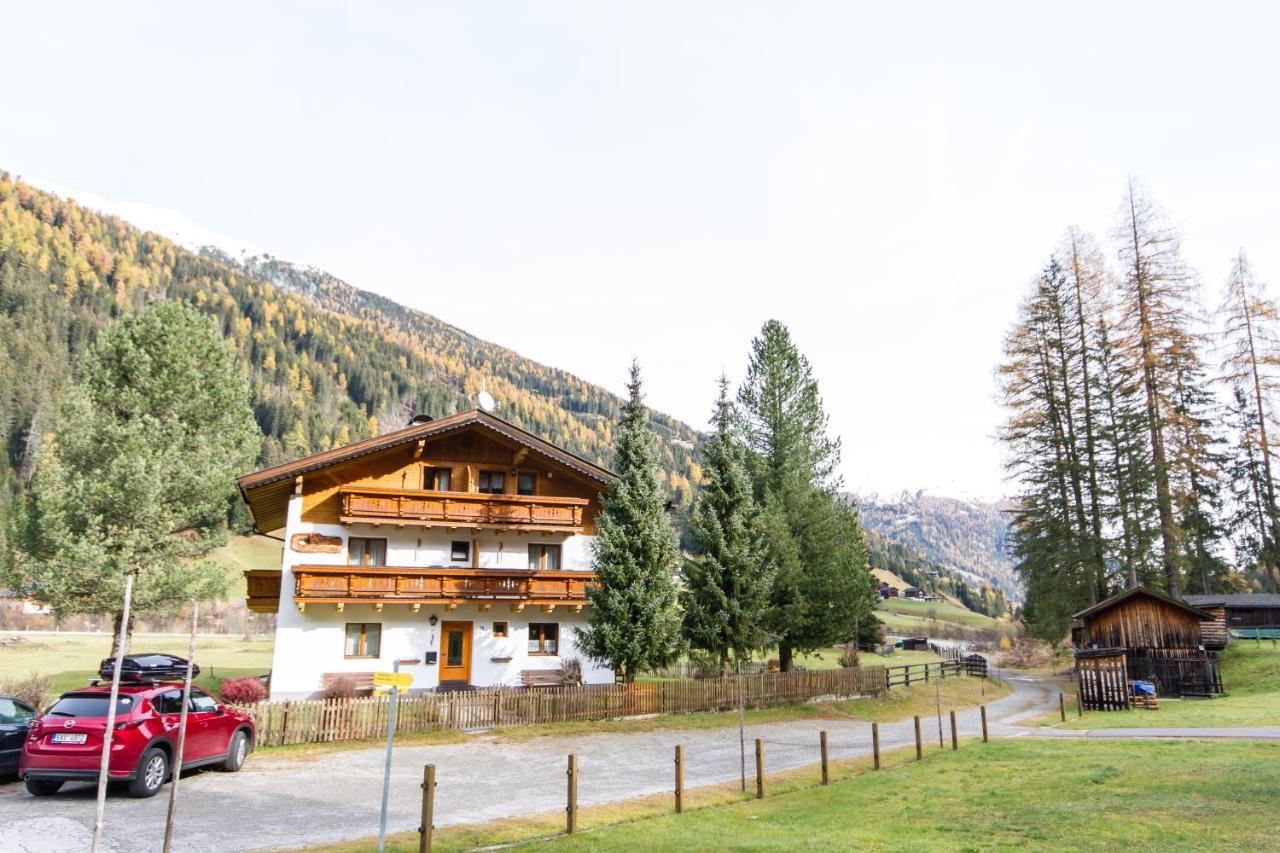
[(327, 720)]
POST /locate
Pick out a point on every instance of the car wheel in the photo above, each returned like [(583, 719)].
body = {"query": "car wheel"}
[(42, 787), (236, 751), (153, 770)]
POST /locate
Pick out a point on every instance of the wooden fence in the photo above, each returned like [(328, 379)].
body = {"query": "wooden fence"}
[(921, 673), (324, 720), (1103, 682)]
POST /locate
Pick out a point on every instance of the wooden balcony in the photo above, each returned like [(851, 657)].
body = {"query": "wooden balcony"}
[(341, 585), (461, 509), (262, 590)]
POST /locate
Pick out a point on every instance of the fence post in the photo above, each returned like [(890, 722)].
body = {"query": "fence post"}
[(954, 744), (571, 810), (1079, 706), (428, 808), (759, 769), (1062, 705), (919, 746), (875, 745), (679, 778), (822, 744), (284, 722), (984, 723)]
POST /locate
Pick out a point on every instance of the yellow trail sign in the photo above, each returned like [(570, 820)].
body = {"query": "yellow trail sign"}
[(392, 679)]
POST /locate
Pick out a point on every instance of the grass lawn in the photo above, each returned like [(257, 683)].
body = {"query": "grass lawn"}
[(1005, 795), (1251, 676), (242, 553), (71, 660)]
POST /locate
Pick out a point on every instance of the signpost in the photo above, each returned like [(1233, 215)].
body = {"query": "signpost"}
[(398, 682)]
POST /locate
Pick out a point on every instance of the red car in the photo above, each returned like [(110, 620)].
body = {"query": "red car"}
[(64, 744)]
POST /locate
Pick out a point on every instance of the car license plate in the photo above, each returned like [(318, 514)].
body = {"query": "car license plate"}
[(70, 737)]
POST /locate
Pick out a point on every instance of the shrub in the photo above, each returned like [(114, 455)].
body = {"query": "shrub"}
[(33, 688), (571, 671), (243, 691), (773, 665), (341, 687), (849, 655)]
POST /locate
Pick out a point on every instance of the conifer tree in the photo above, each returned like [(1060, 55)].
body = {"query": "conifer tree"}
[(727, 578), (137, 477), (634, 620), (1156, 301), (821, 589), (1251, 368)]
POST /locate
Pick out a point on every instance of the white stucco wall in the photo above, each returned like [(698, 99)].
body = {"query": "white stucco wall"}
[(311, 643)]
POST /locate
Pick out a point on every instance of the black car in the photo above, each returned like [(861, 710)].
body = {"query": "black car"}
[(15, 719)]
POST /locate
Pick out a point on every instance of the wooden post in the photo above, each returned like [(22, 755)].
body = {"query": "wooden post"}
[(679, 779), (919, 745), (759, 769), (571, 810), (875, 745), (1062, 705), (954, 744), (984, 723), (822, 745), (428, 808), (1079, 706)]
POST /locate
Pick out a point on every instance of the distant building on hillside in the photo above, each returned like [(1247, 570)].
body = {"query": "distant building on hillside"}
[(1142, 635)]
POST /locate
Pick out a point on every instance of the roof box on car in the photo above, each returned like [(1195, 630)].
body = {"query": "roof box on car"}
[(148, 667)]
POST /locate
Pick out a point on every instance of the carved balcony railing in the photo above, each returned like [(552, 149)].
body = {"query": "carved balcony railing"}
[(417, 586), (462, 509)]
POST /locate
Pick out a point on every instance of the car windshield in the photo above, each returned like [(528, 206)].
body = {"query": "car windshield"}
[(90, 705)]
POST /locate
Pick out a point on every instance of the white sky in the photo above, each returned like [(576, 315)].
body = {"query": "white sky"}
[(585, 182)]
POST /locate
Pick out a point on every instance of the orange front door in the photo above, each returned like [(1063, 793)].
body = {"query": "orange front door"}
[(455, 652)]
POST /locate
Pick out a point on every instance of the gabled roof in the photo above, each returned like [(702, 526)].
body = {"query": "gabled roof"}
[(1234, 600), (1132, 592), (278, 475)]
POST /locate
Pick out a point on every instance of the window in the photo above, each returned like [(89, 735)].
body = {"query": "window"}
[(168, 702), (202, 703), (460, 551), (525, 483), (366, 552), (499, 629), (543, 637), (364, 639), (436, 479), (493, 482), (544, 558), (90, 705), (13, 712)]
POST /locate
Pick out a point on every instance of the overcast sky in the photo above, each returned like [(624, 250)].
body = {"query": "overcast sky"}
[(587, 182)]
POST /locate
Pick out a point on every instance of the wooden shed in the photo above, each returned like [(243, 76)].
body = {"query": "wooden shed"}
[(1239, 615), (1142, 635)]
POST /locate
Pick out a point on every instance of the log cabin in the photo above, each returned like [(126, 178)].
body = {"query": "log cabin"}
[(460, 547), (1241, 616), (1142, 635)]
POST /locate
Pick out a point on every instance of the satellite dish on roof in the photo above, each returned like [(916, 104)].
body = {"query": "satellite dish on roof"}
[(486, 401)]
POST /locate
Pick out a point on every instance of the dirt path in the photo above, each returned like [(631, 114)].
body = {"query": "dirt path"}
[(278, 802)]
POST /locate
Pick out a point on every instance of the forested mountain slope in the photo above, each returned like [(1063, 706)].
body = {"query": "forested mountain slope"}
[(969, 537), (327, 362)]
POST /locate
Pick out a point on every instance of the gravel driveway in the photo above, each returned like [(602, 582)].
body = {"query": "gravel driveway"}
[(278, 802)]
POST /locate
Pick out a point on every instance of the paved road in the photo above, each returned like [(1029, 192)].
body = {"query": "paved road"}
[(278, 802)]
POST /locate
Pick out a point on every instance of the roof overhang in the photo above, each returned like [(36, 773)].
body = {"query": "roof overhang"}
[(1136, 591), (267, 491)]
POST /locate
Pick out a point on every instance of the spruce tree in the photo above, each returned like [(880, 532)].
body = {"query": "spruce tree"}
[(137, 476), (821, 588), (634, 621), (727, 578)]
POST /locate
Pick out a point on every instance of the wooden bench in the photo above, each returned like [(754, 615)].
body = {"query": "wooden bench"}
[(361, 681), (541, 678)]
